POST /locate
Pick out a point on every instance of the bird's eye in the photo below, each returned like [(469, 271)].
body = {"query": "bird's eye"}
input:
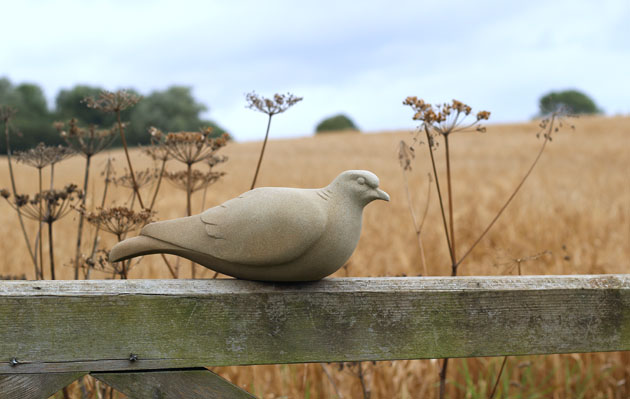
[(361, 180)]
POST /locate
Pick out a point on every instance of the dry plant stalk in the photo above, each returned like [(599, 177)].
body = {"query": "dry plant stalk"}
[(441, 121), (405, 155), (46, 206), (6, 114), (87, 142), (90, 259), (271, 107), (143, 178), (40, 157), (514, 262), (158, 153), (116, 102), (358, 370), (332, 381), (119, 221), (188, 148), (211, 163)]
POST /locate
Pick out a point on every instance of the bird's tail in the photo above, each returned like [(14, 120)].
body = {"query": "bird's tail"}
[(138, 246)]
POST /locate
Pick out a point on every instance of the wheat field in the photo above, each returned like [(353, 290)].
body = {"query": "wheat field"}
[(576, 205)]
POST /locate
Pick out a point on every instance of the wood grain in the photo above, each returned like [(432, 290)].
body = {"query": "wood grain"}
[(34, 386), (95, 325), (172, 384)]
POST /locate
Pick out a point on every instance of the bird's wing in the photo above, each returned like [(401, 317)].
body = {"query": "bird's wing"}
[(265, 226)]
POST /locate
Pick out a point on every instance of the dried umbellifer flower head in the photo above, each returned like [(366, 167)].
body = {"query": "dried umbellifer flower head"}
[(119, 220), (42, 155), (187, 147), (143, 178), (87, 141), (445, 118), (553, 123), (116, 101), (278, 104), (47, 206), (157, 150), (198, 179)]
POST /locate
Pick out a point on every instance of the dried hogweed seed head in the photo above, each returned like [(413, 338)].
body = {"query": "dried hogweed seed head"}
[(86, 141), (157, 149), (189, 147), (143, 178), (444, 118), (277, 105), (553, 123), (108, 101), (41, 155), (118, 220), (49, 205), (485, 115), (198, 179)]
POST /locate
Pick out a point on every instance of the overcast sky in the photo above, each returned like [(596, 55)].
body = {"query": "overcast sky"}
[(359, 58)]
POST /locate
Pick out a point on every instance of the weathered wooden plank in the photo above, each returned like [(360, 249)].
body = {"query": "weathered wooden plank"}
[(172, 384), (34, 386), (96, 325)]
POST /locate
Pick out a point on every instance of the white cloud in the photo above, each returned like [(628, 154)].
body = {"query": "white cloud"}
[(359, 58)]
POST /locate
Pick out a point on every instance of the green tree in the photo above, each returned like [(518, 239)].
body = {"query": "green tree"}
[(336, 123), (171, 110), (573, 101), (33, 122), (69, 104)]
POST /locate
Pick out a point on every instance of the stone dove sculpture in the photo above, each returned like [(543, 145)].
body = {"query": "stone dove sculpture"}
[(268, 233)]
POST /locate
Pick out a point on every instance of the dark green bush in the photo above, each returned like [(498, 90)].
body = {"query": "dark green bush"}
[(336, 123), (170, 110), (33, 122), (573, 101)]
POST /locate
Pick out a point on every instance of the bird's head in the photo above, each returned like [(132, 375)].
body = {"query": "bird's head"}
[(360, 185)]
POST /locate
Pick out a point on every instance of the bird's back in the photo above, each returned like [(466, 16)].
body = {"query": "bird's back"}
[(265, 226)]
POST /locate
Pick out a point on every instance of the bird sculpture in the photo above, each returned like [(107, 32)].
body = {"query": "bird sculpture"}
[(268, 233)]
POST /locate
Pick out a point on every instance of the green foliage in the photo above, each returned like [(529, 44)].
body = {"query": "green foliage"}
[(574, 101), (336, 123), (171, 110), (33, 121), (69, 104)]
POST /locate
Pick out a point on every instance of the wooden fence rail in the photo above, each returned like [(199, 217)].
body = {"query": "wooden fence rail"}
[(152, 338)]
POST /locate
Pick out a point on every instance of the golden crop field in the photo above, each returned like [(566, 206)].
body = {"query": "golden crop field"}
[(576, 205)]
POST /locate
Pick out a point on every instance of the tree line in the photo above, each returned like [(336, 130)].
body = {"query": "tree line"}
[(171, 110)]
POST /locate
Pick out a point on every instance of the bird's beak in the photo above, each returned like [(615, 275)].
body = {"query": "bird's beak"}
[(382, 195)]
